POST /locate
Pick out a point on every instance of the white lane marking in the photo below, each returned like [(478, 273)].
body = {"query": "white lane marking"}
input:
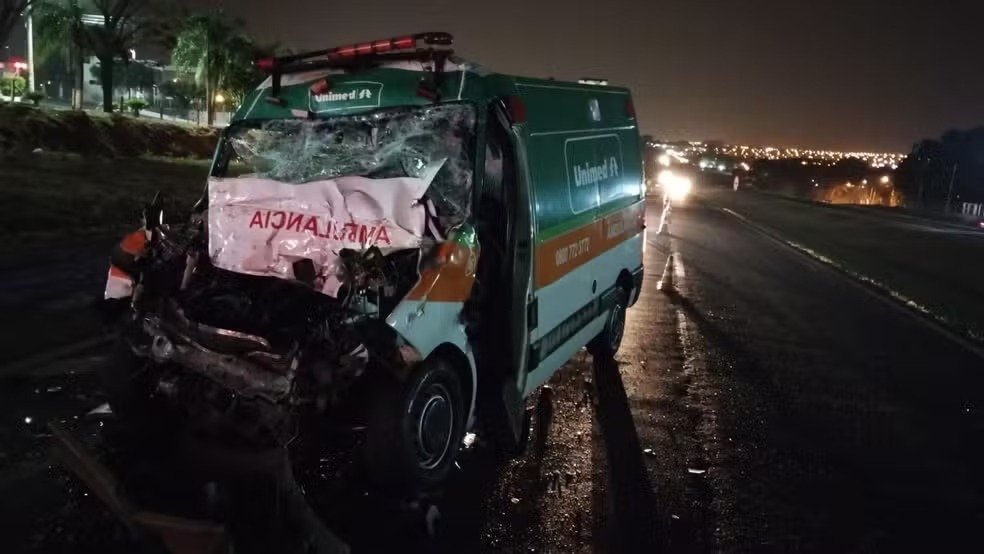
[(686, 342), (678, 271), (940, 230)]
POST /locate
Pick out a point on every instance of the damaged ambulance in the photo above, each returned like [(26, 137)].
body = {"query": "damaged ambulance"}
[(393, 241)]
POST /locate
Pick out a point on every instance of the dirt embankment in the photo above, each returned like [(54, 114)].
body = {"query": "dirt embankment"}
[(24, 129)]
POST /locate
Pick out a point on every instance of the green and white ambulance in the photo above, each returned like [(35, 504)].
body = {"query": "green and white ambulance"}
[(401, 240)]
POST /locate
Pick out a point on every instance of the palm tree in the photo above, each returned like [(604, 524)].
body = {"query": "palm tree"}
[(108, 35), (218, 54), (242, 75), (61, 31)]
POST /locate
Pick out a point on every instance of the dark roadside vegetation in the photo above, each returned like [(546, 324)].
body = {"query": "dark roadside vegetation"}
[(72, 184), (934, 181)]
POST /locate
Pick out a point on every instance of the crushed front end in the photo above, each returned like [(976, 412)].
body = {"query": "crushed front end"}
[(264, 317)]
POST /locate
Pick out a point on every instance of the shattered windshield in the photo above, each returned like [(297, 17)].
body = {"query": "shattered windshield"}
[(405, 142)]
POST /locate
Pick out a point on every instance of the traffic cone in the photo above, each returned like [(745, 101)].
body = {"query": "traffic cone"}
[(666, 281)]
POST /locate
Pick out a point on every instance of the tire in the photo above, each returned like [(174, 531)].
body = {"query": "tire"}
[(415, 428), (608, 341), (496, 433)]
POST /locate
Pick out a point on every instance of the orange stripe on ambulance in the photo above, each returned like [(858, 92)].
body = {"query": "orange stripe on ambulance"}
[(572, 251)]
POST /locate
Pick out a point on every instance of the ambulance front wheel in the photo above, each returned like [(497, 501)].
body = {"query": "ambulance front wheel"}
[(415, 427), (607, 343)]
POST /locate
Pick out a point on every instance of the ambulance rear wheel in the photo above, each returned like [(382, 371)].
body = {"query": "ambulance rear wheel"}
[(607, 343)]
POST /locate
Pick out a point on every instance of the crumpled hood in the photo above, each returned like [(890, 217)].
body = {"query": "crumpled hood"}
[(262, 226)]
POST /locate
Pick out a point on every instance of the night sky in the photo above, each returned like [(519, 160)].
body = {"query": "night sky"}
[(866, 75)]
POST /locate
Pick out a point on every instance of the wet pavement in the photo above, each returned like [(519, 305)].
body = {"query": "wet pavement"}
[(769, 405)]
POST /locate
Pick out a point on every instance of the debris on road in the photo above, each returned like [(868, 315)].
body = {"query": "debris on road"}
[(553, 482), (693, 471), (100, 410)]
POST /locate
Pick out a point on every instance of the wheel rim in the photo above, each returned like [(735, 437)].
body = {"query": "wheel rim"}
[(433, 424)]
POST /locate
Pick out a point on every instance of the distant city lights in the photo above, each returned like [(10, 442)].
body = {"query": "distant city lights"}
[(808, 156)]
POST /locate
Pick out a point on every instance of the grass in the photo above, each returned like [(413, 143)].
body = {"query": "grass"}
[(70, 172), (24, 128), (940, 269), (54, 195), (75, 173)]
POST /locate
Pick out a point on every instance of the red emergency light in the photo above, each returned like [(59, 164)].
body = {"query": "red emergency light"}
[(394, 44), (266, 64), (382, 46)]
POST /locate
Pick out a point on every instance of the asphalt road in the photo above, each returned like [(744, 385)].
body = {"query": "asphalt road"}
[(934, 264), (48, 293), (835, 420), (770, 404)]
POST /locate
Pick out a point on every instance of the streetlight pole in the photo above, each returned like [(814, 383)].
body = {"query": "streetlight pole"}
[(30, 52), (7, 48)]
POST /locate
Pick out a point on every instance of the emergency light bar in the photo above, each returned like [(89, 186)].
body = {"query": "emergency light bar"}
[(392, 49), (383, 46)]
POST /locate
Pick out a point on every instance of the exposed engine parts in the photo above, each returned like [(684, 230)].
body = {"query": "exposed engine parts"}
[(225, 346)]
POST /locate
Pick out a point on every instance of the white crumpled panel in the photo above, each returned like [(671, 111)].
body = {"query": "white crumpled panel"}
[(261, 226)]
